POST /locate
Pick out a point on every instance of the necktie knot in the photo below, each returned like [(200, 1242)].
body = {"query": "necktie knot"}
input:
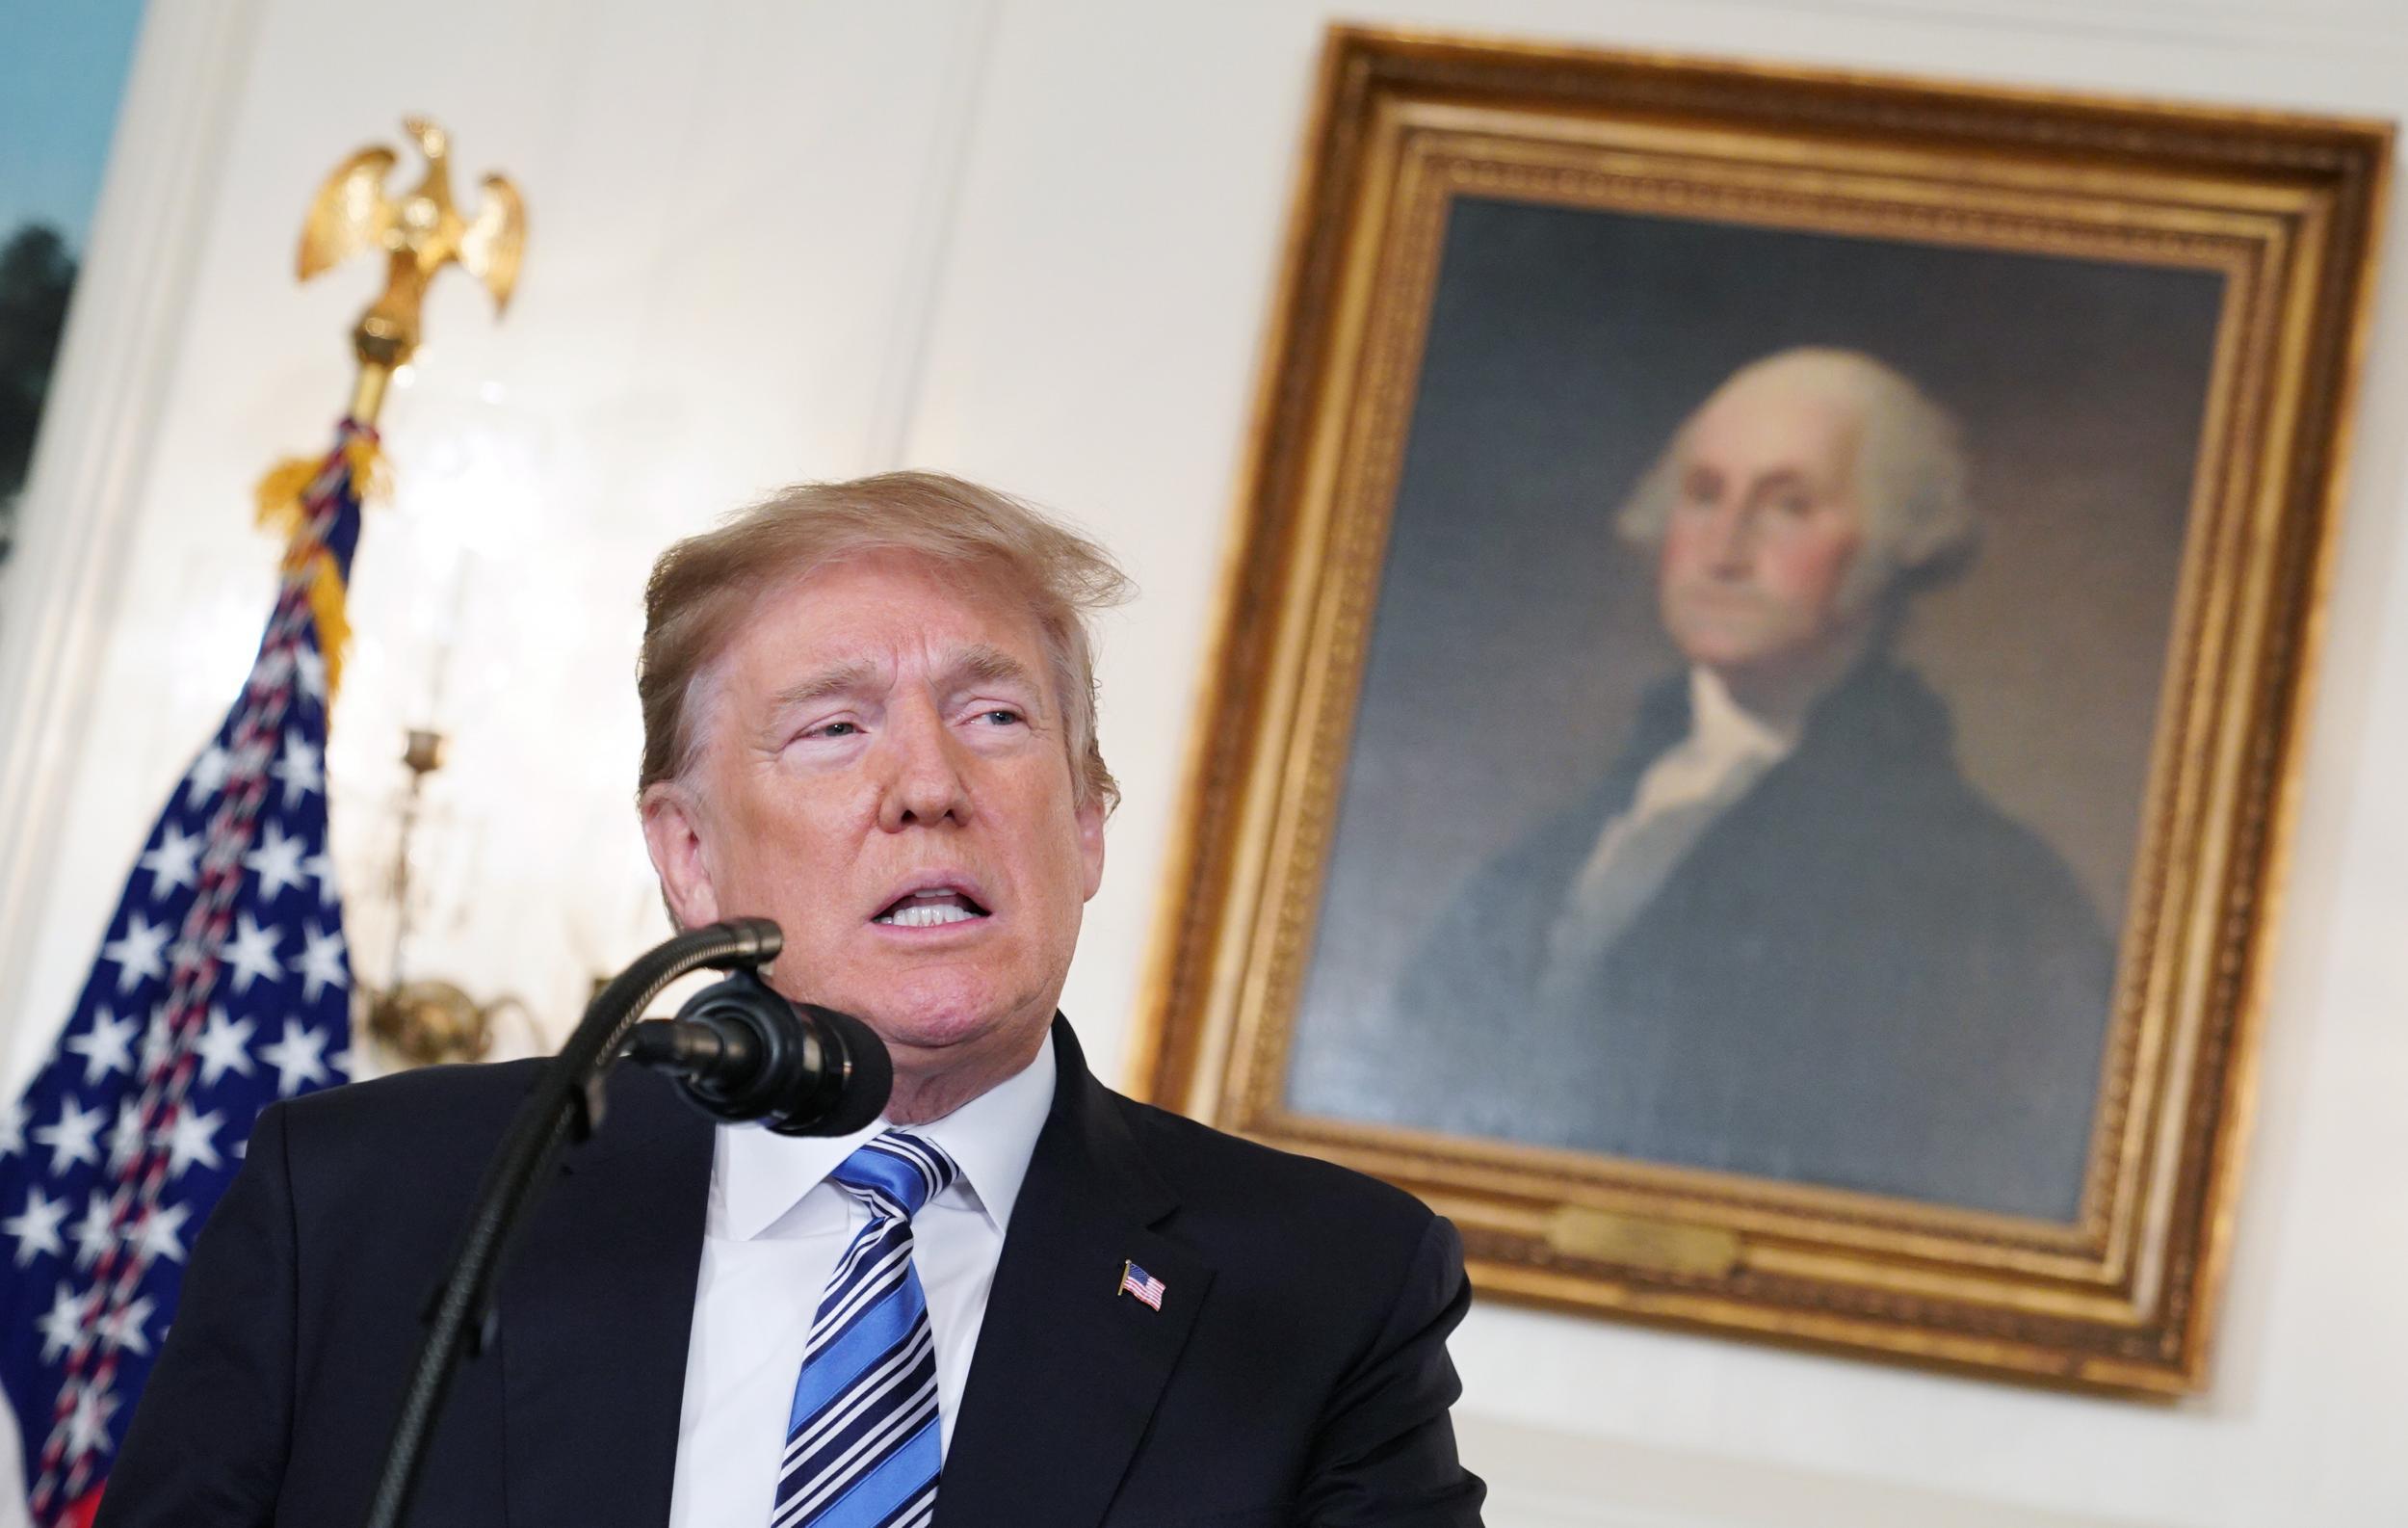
[(895, 1174)]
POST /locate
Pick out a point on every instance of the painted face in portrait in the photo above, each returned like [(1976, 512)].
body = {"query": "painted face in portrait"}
[(884, 772), (1764, 525)]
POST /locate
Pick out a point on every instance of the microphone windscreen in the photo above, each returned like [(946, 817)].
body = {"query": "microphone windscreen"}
[(871, 1074)]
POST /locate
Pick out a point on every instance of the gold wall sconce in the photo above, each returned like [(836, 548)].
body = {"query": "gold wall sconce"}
[(428, 1020)]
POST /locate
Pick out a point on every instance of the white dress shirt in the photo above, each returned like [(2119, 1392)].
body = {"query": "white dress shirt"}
[(1689, 785), (774, 1229)]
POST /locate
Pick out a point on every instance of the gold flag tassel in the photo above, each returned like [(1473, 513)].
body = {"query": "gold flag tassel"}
[(299, 499)]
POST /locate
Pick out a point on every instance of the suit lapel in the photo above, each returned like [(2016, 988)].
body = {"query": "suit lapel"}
[(596, 1313), (1067, 1369)]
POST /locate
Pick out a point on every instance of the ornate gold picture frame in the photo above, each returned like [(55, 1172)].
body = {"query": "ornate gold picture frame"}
[(1757, 700)]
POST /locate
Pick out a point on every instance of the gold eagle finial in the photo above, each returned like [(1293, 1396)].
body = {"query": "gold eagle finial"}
[(421, 231)]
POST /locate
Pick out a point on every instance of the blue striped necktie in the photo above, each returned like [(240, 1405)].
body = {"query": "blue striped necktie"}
[(861, 1440)]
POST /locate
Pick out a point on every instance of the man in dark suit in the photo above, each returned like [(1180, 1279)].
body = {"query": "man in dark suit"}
[(1783, 936), (869, 716)]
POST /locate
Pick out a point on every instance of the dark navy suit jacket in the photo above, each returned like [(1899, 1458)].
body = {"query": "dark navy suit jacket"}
[(1296, 1371)]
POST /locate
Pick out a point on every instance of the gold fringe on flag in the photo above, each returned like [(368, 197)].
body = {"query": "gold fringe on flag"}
[(279, 494), (283, 497)]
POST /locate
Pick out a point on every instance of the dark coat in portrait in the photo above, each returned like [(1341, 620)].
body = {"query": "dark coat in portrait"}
[(1862, 975)]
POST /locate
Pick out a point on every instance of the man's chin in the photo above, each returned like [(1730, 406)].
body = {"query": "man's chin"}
[(1734, 660), (931, 1024), (1734, 646), (926, 1035)]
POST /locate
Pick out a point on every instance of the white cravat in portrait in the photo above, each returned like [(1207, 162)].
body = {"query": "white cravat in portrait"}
[(1679, 796)]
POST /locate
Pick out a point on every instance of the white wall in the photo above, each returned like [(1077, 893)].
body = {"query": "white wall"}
[(1034, 241)]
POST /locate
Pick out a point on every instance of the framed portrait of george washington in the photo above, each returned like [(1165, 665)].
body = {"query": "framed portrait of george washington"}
[(1756, 696)]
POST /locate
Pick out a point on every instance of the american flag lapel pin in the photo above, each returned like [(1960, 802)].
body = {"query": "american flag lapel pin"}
[(1136, 1281)]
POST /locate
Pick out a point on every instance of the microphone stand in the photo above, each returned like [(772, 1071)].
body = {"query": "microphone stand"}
[(568, 1096)]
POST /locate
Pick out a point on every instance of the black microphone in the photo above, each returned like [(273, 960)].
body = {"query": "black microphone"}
[(740, 1051)]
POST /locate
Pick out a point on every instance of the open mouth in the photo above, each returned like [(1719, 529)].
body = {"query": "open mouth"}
[(930, 909)]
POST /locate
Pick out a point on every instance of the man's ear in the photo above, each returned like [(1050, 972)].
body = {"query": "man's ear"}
[(1091, 820), (673, 834)]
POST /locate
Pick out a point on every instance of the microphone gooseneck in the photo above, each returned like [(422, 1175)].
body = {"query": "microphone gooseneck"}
[(742, 1051)]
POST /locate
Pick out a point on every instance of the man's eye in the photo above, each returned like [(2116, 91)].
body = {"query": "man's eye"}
[(833, 729), (1001, 716)]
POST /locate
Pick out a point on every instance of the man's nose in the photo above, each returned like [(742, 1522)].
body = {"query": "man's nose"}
[(1731, 537), (925, 782)]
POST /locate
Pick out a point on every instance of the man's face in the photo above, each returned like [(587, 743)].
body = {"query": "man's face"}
[(1763, 526), (884, 772)]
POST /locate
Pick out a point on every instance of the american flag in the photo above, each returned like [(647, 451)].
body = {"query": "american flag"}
[(223, 985), (1136, 1281)]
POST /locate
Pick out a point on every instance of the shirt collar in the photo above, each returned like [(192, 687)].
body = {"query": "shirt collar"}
[(759, 1175)]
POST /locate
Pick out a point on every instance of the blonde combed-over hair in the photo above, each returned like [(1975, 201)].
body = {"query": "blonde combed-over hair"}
[(704, 587)]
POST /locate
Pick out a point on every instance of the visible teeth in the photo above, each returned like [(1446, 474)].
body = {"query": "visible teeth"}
[(925, 915)]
